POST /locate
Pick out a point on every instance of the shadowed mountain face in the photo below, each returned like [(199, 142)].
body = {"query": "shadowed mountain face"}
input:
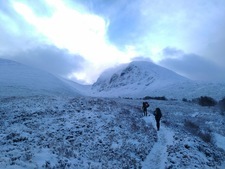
[(138, 73), (141, 78)]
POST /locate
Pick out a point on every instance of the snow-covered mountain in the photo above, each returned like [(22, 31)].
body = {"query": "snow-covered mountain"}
[(136, 79), (141, 78), (20, 80), (47, 128), (137, 75)]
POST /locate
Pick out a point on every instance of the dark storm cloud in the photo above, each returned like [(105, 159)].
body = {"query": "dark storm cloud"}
[(51, 59), (192, 66)]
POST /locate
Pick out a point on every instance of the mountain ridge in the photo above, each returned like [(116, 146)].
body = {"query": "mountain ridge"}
[(136, 80), (142, 78), (139, 73)]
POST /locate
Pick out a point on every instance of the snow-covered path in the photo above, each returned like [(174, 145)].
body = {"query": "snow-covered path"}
[(157, 157), (85, 132)]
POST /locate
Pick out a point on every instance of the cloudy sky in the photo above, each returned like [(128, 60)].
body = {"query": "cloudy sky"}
[(78, 39)]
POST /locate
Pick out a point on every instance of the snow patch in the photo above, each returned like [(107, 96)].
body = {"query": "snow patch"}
[(220, 140)]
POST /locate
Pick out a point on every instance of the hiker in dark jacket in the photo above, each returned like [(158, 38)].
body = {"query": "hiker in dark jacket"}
[(158, 115), (144, 108)]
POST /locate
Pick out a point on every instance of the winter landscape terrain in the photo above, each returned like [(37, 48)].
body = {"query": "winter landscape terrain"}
[(49, 122)]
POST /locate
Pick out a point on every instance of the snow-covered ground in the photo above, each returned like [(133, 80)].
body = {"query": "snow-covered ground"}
[(88, 132), (49, 122), (157, 158)]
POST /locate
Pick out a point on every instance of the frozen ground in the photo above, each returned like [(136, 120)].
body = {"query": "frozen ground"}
[(157, 157), (86, 132)]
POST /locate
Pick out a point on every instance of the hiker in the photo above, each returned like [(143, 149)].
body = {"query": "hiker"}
[(144, 108), (158, 115)]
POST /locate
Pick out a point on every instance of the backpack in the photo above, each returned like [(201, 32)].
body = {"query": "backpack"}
[(158, 113)]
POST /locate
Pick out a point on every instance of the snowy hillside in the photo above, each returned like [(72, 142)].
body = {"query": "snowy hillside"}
[(65, 132), (19, 80), (137, 74), (137, 79), (46, 123), (141, 78)]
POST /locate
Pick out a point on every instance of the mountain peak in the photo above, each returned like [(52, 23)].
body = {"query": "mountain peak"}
[(137, 73)]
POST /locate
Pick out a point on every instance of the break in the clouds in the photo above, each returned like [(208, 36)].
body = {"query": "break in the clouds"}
[(100, 34)]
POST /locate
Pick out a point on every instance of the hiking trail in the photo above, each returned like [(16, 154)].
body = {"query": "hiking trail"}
[(157, 157)]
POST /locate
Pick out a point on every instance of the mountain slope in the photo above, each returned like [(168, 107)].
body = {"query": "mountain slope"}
[(136, 77), (135, 73), (141, 78), (19, 80)]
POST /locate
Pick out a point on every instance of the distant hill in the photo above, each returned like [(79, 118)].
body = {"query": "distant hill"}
[(141, 78), (136, 79), (20, 80)]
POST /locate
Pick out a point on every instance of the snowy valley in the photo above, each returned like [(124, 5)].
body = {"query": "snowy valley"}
[(48, 122)]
